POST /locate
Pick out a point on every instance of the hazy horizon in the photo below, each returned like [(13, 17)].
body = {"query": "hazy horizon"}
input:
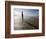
[(29, 12)]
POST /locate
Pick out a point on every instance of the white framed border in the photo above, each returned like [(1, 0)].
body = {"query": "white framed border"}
[(26, 31)]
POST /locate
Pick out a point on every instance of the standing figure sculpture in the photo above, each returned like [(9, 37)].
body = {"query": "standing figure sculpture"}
[(22, 15)]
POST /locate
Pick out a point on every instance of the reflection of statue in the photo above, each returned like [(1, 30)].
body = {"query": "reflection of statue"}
[(22, 15)]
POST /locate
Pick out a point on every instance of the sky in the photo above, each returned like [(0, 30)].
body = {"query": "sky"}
[(28, 12)]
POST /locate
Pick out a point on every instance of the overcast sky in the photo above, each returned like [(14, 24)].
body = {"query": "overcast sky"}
[(29, 12)]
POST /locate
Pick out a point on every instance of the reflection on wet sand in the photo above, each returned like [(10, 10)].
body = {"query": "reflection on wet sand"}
[(28, 22)]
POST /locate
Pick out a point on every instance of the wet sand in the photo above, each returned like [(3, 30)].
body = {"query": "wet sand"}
[(28, 22)]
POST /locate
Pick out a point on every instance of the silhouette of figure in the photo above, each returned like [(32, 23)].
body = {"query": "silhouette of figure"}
[(22, 15)]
